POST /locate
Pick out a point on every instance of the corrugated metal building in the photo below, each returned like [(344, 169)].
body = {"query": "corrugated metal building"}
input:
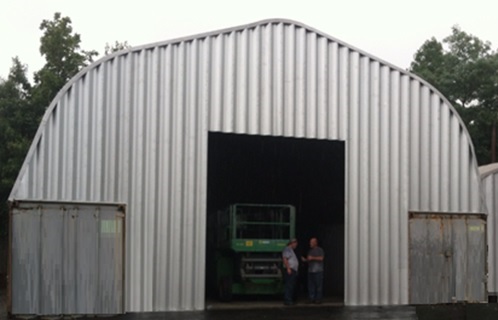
[(133, 128), (489, 176)]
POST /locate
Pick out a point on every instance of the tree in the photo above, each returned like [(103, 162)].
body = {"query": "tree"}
[(465, 69), (16, 122), (64, 58), (22, 105)]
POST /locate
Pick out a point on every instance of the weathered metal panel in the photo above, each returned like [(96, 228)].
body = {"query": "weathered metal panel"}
[(26, 263), (133, 128), (447, 258), (67, 258), (489, 176), (476, 261)]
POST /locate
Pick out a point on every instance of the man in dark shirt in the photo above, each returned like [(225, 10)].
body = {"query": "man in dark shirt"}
[(315, 271)]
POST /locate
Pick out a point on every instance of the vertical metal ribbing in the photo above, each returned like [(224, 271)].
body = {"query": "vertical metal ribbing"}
[(415, 151), (108, 124), (133, 279), (434, 151), (149, 102), (351, 196), (43, 177), (372, 160), (277, 80), (50, 149), (405, 190), (444, 170), (455, 164), (394, 171), (358, 253), (465, 172), (93, 134), (216, 57), (254, 60), (111, 132), (190, 162), (98, 138), (241, 80), (265, 87), (424, 149), (333, 117), (229, 73), (158, 288), (182, 169), (323, 84), (289, 83), (310, 89), (385, 179), (200, 182), (167, 191), (360, 86), (300, 84), (189, 138), (60, 141)]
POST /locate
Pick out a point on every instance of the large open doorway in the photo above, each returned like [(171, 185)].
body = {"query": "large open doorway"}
[(305, 173)]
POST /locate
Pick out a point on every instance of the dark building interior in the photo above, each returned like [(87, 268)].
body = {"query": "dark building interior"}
[(306, 173)]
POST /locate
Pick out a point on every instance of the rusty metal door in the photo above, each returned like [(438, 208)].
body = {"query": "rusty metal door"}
[(447, 258)]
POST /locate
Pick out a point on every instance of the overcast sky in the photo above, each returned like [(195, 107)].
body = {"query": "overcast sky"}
[(390, 29)]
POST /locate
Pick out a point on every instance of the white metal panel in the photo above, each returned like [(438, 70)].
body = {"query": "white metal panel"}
[(134, 129)]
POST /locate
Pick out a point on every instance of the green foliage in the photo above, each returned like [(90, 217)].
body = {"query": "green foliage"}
[(465, 69), (64, 58), (22, 105), (15, 123)]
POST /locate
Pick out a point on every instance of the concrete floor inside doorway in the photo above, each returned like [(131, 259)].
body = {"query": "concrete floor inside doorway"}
[(262, 304)]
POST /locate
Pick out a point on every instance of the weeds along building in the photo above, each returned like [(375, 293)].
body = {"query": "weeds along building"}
[(271, 112)]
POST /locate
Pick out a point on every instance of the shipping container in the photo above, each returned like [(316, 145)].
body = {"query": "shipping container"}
[(67, 258), (489, 176), (448, 261)]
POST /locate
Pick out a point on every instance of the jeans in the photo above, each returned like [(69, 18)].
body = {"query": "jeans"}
[(315, 286), (289, 285)]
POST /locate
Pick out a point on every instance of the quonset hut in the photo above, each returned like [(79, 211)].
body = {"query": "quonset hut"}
[(271, 112)]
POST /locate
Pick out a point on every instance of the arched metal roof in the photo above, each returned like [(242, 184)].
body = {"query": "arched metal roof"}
[(220, 32)]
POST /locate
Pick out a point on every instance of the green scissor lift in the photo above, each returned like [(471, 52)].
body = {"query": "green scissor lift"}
[(250, 241)]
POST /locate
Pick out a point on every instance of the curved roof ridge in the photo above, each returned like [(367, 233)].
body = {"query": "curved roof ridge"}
[(100, 61), (254, 25), (488, 169)]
